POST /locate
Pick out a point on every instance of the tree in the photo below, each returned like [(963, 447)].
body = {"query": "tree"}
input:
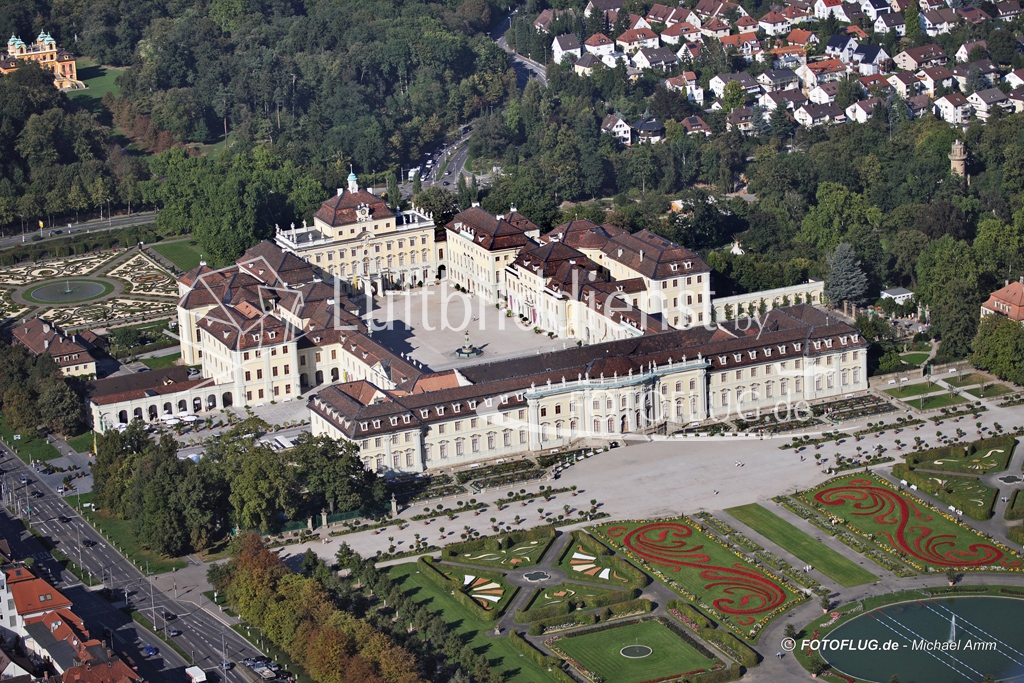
[(733, 96), (417, 184), (21, 410), (439, 202), (60, 408), (912, 19), (999, 348), (837, 214), (848, 91), (335, 476), (394, 194), (263, 489), (780, 124), (846, 280)]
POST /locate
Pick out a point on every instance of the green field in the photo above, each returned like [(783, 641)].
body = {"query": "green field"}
[(966, 380), (989, 391), (502, 656), (915, 358), (28, 447), (82, 443), (99, 80), (600, 653), (909, 390), (118, 532), (830, 563), (181, 253), (937, 401), (161, 362)]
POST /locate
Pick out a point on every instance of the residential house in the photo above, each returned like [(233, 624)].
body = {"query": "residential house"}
[(857, 33), (601, 6), (973, 15), (636, 38), (695, 125), (938, 21), (662, 58), (811, 115), (718, 83), (775, 24), (778, 79), (649, 130), (599, 44), (823, 8), (1017, 99), (713, 8), (985, 68), (74, 354), (964, 53), (788, 57), (689, 51), (1008, 301), (543, 21), (863, 110), (584, 66), (916, 58), (744, 44), (871, 59), (669, 16), (899, 5), (841, 47), (919, 105), (715, 28), (851, 13), (801, 37), (1015, 78), (935, 77), (635, 21), (1009, 10), (683, 32), (875, 83), (747, 24), (875, 8), (741, 119), (566, 47), (824, 71), (986, 101), (796, 15), (802, 5), (787, 99), (928, 5), (686, 82), (824, 93), (893, 21), (615, 126), (905, 84), (953, 108)]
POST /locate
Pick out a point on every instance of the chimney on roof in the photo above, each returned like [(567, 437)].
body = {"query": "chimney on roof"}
[(641, 256), (46, 329), (341, 191), (46, 343)]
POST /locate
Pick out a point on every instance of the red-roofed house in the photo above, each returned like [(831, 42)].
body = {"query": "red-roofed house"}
[(745, 44), (683, 32), (774, 24), (687, 82), (599, 44), (800, 37), (823, 8), (1008, 301), (953, 108), (715, 28), (74, 355), (636, 38)]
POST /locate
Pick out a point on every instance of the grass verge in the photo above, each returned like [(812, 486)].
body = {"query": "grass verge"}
[(181, 253), (148, 625), (843, 571), (28, 447), (263, 644), (915, 358), (81, 443), (161, 362), (911, 390), (988, 391)]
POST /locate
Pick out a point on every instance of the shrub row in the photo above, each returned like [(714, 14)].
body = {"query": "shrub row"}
[(736, 648), (733, 673), (687, 637), (1015, 508), (553, 664), (691, 612), (1005, 443), (427, 568), (1016, 534), (567, 621)]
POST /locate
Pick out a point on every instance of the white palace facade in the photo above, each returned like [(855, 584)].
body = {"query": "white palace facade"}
[(278, 325)]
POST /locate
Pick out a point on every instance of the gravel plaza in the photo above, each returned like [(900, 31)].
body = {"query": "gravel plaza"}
[(429, 324)]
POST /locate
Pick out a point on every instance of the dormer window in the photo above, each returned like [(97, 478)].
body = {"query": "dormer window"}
[(488, 402), (723, 359), (782, 348), (424, 412), (440, 410), (828, 343), (316, 340), (688, 265), (753, 354), (519, 397), (674, 267), (273, 335), (738, 357), (457, 407), (376, 424), (472, 405), (817, 345), (767, 352), (406, 419), (394, 421), (842, 340), (855, 338), (797, 346), (364, 426), (255, 337)]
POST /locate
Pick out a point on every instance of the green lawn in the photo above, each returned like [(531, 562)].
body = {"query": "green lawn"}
[(924, 538), (555, 595), (990, 391), (181, 253), (600, 653), (915, 358), (119, 533), (966, 380), (99, 80), (161, 362), (502, 656), (82, 443), (937, 401), (913, 390), (830, 563), (28, 447), (522, 554)]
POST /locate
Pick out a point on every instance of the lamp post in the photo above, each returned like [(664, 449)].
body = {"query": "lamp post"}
[(108, 212), (223, 656)]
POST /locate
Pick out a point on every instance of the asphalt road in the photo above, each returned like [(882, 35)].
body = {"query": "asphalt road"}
[(201, 631), (115, 223), (525, 68)]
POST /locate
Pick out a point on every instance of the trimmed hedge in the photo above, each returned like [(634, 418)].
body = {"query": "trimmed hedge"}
[(731, 644), (535, 614), (538, 628), (539, 658), (691, 612), (1016, 534), (500, 542), (640, 604), (1015, 507), (733, 673), (686, 636)]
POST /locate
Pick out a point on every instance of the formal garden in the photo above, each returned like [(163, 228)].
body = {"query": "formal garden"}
[(917, 534)]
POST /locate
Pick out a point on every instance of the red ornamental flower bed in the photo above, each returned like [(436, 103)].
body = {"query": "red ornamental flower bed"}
[(905, 524), (672, 545)]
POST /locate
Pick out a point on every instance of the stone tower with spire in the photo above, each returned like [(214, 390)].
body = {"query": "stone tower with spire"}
[(958, 158)]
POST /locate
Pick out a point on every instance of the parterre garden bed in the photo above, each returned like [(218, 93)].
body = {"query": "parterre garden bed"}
[(967, 494), (919, 535), (588, 560), (700, 567), (511, 551), (978, 457), (853, 408)]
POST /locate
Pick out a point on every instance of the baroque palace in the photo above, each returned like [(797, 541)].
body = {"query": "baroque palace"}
[(280, 325), (45, 53)]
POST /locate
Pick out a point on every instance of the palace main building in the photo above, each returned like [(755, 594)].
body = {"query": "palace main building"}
[(278, 325)]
